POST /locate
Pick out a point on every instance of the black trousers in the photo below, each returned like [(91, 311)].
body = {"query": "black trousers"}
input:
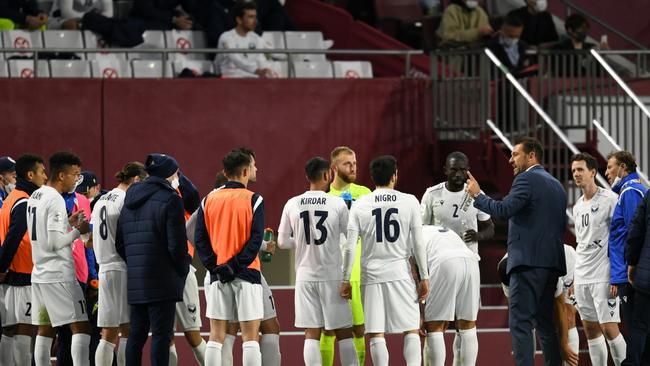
[(636, 316), (531, 306), (159, 317)]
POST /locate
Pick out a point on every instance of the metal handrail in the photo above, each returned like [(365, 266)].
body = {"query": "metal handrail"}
[(500, 134), (617, 147), (539, 110), (569, 4)]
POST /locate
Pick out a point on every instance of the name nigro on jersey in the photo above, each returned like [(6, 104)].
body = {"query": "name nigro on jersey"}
[(313, 201), (385, 198)]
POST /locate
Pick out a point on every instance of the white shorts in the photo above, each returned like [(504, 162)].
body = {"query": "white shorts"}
[(595, 304), (3, 308), (269, 302), (390, 307), (188, 311), (454, 291), (319, 305), (18, 303), (236, 300), (58, 303), (113, 306)]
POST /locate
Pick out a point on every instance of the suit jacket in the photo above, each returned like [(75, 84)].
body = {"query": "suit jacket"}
[(637, 251), (536, 210)]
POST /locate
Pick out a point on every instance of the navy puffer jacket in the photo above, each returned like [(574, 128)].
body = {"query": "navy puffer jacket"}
[(637, 251), (152, 240)]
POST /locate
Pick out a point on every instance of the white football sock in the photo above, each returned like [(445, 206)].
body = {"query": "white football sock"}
[(436, 352), (42, 350), (573, 341), (251, 355), (213, 353), (378, 351), (348, 353), (7, 350), (104, 353), (173, 356), (22, 350), (270, 348), (469, 349), (226, 351), (617, 348), (121, 352), (455, 347), (80, 349), (412, 353), (199, 353), (311, 352), (598, 351)]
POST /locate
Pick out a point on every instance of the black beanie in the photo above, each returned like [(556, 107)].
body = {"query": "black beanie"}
[(161, 165)]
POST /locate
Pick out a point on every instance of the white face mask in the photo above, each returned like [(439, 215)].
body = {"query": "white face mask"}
[(541, 5), (10, 187), (175, 183), (472, 4)]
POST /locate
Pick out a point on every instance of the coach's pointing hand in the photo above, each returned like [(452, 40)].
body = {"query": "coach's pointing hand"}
[(473, 187)]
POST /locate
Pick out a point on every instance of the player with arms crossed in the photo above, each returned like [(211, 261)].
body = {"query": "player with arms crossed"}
[(595, 298), (113, 307), (390, 226), (317, 221), (57, 298)]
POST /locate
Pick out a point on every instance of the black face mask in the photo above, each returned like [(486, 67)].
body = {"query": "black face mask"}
[(580, 36)]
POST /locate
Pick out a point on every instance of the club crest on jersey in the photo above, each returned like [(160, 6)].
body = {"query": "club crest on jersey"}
[(58, 217), (611, 303), (191, 308), (595, 208)]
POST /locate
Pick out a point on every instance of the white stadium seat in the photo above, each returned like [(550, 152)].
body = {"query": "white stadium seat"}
[(64, 39), (69, 68), (21, 39), (25, 69), (150, 69), (281, 68), (307, 40), (153, 39), (352, 69), (110, 68), (4, 73), (275, 40), (315, 69), (184, 39), (198, 67), (92, 40)]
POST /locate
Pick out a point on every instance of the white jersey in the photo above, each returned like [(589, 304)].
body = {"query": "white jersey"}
[(570, 259), (241, 65), (592, 219), (104, 221), (317, 221), (390, 226), (442, 207), (444, 244), (46, 213)]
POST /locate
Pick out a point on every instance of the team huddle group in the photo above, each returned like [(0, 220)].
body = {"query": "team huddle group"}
[(367, 263)]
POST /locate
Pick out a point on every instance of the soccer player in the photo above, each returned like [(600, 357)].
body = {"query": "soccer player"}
[(16, 257), (390, 226), (113, 308), (596, 300), (447, 204), (57, 298), (455, 291), (317, 221), (344, 163), (229, 231)]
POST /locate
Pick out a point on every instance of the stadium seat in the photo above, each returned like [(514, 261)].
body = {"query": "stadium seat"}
[(45, 5), (307, 40), (25, 69), (182, 39), (21, 39), (352, 69), (275, 40), (281, 68), (64, 39), (110, 68), (4, 73), (198, 67), (92, 40), (150, 69), (69, 68), (153, 39), (315, 69)]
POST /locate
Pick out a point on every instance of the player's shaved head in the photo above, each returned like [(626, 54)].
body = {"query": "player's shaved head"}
[(315, 168), (382, 169), (458, 156)]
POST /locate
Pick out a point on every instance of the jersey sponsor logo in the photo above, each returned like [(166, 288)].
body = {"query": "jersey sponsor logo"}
[(58, 217)]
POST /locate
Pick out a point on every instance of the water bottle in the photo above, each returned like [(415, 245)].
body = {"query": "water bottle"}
[(467, 202), (268, 236)]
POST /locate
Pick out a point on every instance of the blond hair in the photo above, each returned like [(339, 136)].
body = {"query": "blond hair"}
[(338, 151)]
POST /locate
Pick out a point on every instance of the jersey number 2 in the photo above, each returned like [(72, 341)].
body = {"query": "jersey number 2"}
[(322, 215)]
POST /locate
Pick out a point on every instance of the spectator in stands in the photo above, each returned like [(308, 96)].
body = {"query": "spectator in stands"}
[(243, 36), (577, 28), (163, 14), (507, 45), (539, 29), (7, 177), (271, 15), (464, 24), (68, 14), (21, 14)]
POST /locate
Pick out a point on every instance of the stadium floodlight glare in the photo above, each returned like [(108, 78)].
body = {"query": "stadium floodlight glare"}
[(617, 147), (500, 134)]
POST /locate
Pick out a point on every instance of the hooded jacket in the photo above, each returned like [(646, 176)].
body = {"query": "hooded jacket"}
[(630, 192), (151, 239)]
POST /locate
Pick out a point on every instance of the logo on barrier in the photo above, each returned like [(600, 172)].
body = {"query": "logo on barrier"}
[(352, 74), (109, 73), (26, 73), (183, 43), (21, 42)]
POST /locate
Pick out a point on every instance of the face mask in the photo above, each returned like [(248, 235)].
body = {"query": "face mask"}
[(541, 5), (509, 42), (580, 36), (472, 4), (10, 187), (175, 183)]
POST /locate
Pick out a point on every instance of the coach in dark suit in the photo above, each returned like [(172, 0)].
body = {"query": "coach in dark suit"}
[(535, 208)]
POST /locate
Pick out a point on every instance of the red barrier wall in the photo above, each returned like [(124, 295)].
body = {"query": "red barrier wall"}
[(197, 121)]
